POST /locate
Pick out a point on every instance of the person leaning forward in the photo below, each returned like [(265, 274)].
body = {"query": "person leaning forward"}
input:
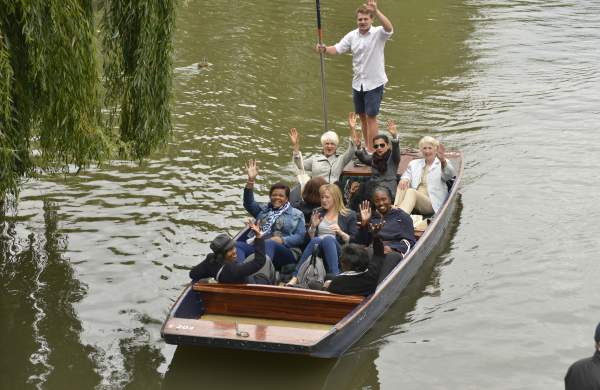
[(367, 44), (584, 374), (221, 263)]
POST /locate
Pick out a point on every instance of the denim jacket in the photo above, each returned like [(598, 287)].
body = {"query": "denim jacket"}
[(290, 225)]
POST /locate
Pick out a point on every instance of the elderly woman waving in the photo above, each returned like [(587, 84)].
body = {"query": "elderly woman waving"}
[(423, 185), (329, 163)]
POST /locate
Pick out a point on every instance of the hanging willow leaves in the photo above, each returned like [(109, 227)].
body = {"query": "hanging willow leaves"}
[(16, 102), (137, 64), (50, 86)]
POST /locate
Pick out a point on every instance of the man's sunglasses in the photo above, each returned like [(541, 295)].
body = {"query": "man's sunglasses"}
[(377, 146)]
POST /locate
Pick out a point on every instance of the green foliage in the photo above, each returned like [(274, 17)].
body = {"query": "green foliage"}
[(50, 86), (14, 139), (137, 64)]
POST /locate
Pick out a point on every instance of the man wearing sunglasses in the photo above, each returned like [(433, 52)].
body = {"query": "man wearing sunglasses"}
[(367, 44)]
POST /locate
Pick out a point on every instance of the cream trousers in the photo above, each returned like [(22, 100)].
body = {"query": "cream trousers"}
[(409, 200)]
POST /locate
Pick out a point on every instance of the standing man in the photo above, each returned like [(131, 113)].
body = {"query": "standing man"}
[(368, 65), (584, 374)]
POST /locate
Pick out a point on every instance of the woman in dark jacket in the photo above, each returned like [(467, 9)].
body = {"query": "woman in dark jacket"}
[(360, 276), (384, 161), (332, 225), (222, 265)]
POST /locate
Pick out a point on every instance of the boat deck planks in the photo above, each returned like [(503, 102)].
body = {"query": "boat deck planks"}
[(224, 329)]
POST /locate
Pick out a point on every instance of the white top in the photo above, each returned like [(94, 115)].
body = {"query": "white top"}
[(325, 228), (436, 179), (368, 64)]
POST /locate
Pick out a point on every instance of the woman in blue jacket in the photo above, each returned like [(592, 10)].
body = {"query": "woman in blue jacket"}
[(282, 225)]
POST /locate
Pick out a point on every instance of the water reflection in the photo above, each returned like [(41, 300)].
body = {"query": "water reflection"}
[(38, 289), (227, 369)]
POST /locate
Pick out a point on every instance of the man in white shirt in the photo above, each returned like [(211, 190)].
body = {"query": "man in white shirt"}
[(367, 44)]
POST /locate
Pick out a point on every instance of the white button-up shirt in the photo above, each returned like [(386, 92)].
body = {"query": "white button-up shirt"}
[(436, 179), (368, 64)]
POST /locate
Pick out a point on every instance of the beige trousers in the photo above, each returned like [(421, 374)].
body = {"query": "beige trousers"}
[(409, 200)]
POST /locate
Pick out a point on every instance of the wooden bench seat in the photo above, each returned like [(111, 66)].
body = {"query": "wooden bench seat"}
[(273, 302)]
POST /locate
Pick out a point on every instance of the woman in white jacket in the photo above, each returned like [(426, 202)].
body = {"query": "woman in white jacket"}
[(423, 185)]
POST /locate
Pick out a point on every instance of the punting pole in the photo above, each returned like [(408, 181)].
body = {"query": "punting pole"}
[(323, 84)]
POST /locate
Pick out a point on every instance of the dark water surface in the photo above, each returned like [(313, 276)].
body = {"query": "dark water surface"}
[(89, 265)]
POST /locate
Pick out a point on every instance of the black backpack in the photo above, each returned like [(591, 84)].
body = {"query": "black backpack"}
[(312, 272)]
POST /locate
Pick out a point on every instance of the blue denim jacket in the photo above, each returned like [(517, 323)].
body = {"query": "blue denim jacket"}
[(290, 224)]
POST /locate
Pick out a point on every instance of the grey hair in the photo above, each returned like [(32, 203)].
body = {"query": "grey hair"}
[(429, 140), (330, 136)]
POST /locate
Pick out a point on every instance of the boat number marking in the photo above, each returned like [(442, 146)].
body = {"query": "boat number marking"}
[(184, 327)]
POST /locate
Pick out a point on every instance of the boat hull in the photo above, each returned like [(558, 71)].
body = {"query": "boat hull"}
[(183, 326)]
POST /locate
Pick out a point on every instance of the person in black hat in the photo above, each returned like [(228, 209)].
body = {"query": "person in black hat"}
[(584, 374), (222, 265)]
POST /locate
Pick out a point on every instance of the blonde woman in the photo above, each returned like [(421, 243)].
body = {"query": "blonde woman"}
[(331, 226), (423, 186)]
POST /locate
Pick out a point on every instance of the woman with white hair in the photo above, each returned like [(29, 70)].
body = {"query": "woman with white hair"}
[(329, 164), (423, 185)]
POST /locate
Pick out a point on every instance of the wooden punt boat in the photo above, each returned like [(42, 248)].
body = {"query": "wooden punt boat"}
[(281, 319)]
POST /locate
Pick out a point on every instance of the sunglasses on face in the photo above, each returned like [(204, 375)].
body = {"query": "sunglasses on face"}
[(377, 146)]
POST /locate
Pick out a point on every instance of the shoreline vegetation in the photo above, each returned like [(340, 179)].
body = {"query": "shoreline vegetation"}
[(74, 92)]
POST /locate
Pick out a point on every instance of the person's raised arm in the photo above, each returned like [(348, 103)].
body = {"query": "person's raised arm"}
[(354, 139), (249, 203), (385, 22), (378, 251), (294, 138), (240, 271), (363, 236), (364, 156), (391, 125)]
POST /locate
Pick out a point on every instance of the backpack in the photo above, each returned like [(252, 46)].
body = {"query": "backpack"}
[(265, 275), (312, 272)]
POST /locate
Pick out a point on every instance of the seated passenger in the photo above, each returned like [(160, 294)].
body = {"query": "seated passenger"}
[(311, 199), (222, 265), (384, 161), (398, 233), (332, 225), (328, 164), (423, 185), (360, 276), (282, 225)]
